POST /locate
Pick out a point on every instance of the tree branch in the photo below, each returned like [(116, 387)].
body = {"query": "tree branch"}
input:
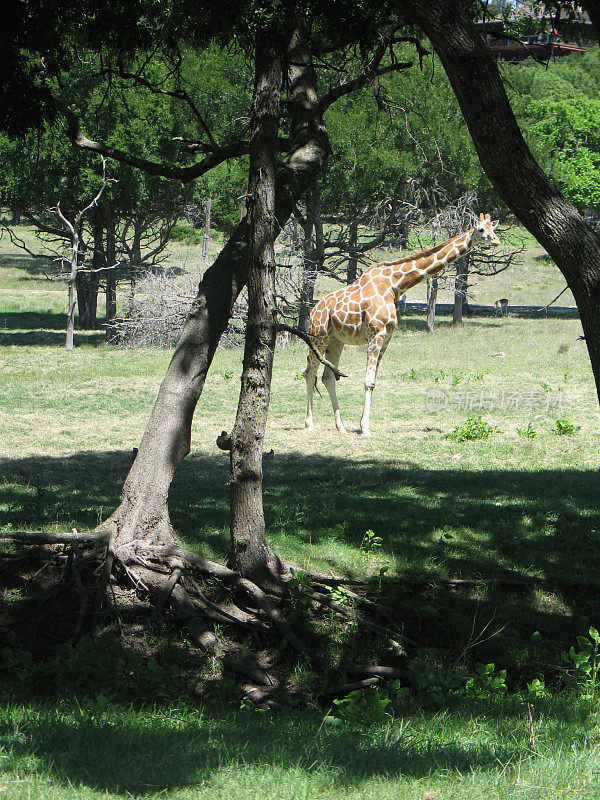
[(184, 174), (370, 71), (306, 339), (138, 80)]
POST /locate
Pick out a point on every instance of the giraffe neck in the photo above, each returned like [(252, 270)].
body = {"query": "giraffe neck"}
[(420, 268)]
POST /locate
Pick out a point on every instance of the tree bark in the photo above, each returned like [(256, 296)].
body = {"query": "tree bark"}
[(460, 290), (143, 514), (507, 161), (432, 289), (593, 9), (250, 554), (313, 255)]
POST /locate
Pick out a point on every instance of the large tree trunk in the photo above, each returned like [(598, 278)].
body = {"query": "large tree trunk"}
[(313, 255), (87, 282), (507, 161), (143, 513), (250, 554)]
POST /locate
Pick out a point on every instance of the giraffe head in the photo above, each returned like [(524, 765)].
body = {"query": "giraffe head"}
[(483, 231)]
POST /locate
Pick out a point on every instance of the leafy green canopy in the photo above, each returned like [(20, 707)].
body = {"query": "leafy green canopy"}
[(40, 40), (414, 144), (559, 111)]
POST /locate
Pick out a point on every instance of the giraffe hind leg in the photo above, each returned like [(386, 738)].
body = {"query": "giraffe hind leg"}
[(310, 376), (333, 354)]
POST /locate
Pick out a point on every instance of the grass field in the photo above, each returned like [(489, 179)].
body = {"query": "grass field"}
[(491, 510)]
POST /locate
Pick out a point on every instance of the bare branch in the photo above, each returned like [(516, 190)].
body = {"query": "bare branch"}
[(306, 339), (545, 308)]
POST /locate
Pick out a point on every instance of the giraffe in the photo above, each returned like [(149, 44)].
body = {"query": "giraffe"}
[(364, 312)]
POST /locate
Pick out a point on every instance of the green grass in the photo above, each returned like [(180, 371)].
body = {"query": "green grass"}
[(482, 509), (468, 751)]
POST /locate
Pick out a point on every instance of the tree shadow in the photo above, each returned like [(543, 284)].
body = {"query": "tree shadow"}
[(34, 267), (525, 543), (32, 321), (539, 527), (189, 748), (42, 328)]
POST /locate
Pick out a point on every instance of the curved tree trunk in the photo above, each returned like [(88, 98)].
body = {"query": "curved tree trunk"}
[(507, 161), (143, 517), (250, 554)]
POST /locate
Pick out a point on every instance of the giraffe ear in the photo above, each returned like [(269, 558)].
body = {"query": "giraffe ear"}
[(495, 224)]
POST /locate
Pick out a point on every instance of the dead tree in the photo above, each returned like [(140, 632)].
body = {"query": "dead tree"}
[(74, 260)]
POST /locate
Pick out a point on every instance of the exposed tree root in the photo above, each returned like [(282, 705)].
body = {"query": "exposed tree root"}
[(378, 671), (181, 586), (212, 569), (42, 537), (352, 614), (318, 577), (345, 688)]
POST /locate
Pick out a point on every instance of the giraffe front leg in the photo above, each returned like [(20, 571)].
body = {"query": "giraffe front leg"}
[(375, 350)]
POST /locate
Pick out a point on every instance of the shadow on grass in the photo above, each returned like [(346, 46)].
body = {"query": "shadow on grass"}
[(42, 329), (35, 268), (434, 523), (141, 753), (493, 526)]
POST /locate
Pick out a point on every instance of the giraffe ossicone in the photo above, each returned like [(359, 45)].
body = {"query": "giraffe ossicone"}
[(364, 312)]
